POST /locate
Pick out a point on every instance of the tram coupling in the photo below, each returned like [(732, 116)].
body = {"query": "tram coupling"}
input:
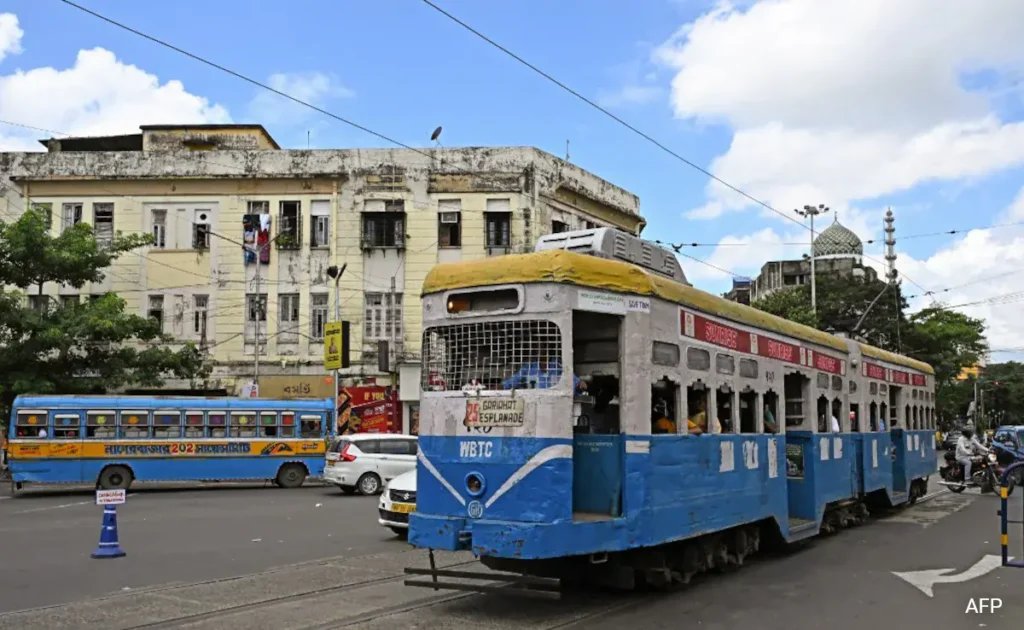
[(483, 582)]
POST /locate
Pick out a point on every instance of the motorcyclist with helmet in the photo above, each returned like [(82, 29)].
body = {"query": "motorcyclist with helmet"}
[(966, 446)]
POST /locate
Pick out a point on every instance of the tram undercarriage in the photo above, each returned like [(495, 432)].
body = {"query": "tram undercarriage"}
[(662, 567)]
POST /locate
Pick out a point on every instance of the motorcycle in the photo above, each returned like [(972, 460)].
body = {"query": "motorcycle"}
[(983, 473)]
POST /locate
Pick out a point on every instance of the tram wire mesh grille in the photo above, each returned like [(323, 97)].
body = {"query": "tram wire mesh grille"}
[(491, 353)]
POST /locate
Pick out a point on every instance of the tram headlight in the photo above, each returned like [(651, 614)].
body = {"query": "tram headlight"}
[(475, 484)]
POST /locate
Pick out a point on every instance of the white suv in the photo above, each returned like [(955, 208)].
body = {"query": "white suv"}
[(365, 461)]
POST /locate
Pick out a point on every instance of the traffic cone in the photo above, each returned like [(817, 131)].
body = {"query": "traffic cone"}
[(109, 547)]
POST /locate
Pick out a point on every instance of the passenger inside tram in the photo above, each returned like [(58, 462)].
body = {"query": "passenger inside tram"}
[(663, 413), (854, 418), (837, 410), (771, 399), (696, 408), (822, 414)]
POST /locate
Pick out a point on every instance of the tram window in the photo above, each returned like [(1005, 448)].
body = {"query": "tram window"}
[(928, 416), (166, 424), (913, 394), (66, 426), (748, 368), (30, 423), (664, 395), (854, 417), (906, 417), (134, 424), (873, 389), (913, 420), (748, 412), (882, 420), (696, 409), (873, 416), (822, 381), (725, 411), (836, 421), (795, 391), (100, 424), (853, 386), (837, 384), (665, 354), (287, 424), (771, 412), (309, 426), (725, 364), (822, 414), (268, 424), (883, 389), (698, 359), (194, 424), (243, 424), (483, 300)]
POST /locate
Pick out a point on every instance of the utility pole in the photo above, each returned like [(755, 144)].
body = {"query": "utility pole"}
[(336, 274), (261, 309), (394, 319), (811, 211)]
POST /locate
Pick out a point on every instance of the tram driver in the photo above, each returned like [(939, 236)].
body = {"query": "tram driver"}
[(543, 373)]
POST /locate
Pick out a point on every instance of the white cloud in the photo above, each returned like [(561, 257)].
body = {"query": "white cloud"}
[(98, 95), (315, 88), (849, 99), (10, 35)]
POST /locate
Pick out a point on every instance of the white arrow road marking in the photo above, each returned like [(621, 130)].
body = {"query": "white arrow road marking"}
[(925, 580)]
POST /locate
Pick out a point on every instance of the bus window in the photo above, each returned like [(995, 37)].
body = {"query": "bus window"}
[(309, 426), (771, 412), (243, 424), (216, 422), (268, 424), (100, 424), (748, 411), (166, 424), (725, 410), (664, 395), (288, 424), (66, 426), (193, 424), (31, 424), (134, 424), (696, 409)]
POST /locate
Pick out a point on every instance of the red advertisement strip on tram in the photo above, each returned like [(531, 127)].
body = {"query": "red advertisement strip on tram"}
[(703, 329), (900, 377), (874, 371), (917, 380)]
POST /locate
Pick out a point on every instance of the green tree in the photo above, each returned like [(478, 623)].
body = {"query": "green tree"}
[(842, 303), (89, 347), (947, 340), (1002, 387)]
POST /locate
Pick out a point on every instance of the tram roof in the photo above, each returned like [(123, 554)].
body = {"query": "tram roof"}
[(564, 267)]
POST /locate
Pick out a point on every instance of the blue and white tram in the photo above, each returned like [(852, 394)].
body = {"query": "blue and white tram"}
[(583, 414)]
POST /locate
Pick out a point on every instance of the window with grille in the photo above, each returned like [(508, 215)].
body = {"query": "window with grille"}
[(498, 223), (387, 228), (288, 316), (201, 229), (103, 223), (156, 309), (379, 319), (159, 229), (498, 355), (256, 307), (200, 313), (317, 315), (557, 227), (289, 220)]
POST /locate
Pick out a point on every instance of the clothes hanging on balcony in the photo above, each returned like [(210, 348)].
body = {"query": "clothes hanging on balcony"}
[(256, 231)]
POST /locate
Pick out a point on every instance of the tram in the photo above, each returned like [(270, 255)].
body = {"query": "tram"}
[(587, 414)]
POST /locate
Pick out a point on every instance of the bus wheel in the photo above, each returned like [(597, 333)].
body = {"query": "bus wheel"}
[(291, 476), (115, 478)]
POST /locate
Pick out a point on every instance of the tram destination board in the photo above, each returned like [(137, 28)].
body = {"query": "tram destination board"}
[(495, 412)]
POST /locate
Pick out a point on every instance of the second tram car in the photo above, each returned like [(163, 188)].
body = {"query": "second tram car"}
[(585, 412)]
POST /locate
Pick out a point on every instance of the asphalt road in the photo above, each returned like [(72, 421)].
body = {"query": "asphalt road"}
[(304, 566), (174, 535)]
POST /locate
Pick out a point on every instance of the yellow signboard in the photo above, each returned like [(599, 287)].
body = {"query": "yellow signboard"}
[(332, 346)]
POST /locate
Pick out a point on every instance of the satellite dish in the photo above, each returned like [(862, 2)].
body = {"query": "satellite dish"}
[(437, 133)]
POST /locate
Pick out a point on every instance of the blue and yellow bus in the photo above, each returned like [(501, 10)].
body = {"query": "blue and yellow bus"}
[(115, 440)]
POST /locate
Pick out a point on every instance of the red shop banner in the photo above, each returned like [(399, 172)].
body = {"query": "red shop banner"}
[(367, 409), (703, 329)]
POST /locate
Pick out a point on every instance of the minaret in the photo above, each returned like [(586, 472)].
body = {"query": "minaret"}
[(890, 246)]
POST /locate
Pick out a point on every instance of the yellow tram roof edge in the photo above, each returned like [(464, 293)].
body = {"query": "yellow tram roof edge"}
[(564, 267)]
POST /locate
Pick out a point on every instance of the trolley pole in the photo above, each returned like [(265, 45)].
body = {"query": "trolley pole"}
[(811, 211)]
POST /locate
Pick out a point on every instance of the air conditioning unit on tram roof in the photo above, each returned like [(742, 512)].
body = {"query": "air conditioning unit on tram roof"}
[(616, 245)]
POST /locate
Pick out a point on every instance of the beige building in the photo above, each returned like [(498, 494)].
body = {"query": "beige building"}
[(205, 191)]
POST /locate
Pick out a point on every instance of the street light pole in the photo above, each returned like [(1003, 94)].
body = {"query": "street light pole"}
[(811, 211)]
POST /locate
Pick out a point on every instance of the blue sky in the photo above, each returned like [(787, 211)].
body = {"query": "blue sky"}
[(793, 102)]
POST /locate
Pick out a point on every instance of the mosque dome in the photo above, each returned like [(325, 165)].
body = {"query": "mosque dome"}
[(837, 241)]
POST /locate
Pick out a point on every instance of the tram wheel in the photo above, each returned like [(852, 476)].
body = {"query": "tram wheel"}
[(115, 478), (291, 476)]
